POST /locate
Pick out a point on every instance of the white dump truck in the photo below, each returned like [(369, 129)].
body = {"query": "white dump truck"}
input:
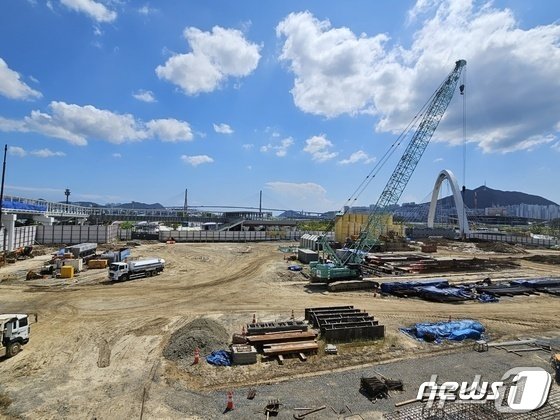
[(135, 269), (14, 333)]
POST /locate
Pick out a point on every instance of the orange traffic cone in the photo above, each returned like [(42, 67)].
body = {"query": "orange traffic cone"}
[(243, 332), (229, 405), (293, 317), (196, 356), (254, 318)]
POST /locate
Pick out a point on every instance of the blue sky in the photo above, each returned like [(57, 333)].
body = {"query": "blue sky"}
[(128, 100)]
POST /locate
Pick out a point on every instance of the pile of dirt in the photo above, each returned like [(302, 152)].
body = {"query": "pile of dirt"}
[(500, 247), (546, 259), (202, 333)]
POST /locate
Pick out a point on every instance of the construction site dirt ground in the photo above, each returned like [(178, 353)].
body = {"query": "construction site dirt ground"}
[(96, 350)]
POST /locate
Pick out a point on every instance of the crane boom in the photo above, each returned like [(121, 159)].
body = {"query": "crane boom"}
[(348, 267), (410, 158)]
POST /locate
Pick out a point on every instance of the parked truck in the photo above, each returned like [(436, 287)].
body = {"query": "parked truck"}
[(116, 256), (86, 251), (14, 333), (135, 269)]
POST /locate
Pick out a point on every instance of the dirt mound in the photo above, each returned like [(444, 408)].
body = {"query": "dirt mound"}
[(204, 333), (546, 259), (500, 247)]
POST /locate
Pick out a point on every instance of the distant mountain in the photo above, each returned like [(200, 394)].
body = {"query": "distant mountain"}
[(133, 205), (84, 203), (488, 197), (138, 205)]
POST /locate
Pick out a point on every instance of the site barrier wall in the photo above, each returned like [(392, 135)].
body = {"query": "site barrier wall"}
[(514, 239), (233, 236), (75, 234), (125, 234), (23, 236)]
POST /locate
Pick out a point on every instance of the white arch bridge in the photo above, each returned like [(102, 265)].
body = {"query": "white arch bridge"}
[(446, 174)]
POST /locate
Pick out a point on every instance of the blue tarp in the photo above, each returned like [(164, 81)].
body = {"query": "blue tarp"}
[(444, 293), (16, 205), (448, 330), (294, 267), (486, 298), (460, 335), (540, 282), (219, 358), (390, 287)]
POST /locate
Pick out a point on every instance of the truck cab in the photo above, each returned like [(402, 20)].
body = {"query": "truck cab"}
[(118, 270), (14, 333)]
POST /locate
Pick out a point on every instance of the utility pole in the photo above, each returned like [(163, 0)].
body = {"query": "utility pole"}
[(2, 204), (186, 206), (260, 204)]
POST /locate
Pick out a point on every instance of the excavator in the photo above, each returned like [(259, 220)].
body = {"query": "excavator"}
[(347, 263)]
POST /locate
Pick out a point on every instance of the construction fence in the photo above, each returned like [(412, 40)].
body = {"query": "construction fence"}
[(74, 234), (233, 236), (514, 239), (23, 236)]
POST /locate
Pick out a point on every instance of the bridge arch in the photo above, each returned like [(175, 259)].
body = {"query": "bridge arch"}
[(457, 197)]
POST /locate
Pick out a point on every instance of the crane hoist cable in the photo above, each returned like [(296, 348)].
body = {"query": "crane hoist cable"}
[(431, 116), (381, 163)]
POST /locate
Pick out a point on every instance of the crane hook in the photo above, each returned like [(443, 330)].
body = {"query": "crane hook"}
[(462, 89)]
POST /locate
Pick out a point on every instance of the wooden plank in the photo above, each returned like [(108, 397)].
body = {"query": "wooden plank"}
[(288, 343), (281, 337), (291, 348)]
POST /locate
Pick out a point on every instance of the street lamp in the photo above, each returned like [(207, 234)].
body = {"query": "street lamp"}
[(67, 194)]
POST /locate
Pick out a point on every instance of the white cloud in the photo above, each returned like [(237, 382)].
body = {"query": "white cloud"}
[(556, 146), (35, 189), (215, 57), (144, 96), (117, 155), (247, 146), (170, 130), (55, 194), (76, 124), (95, 10), (319, 148), (42, 153), (308, 195), (512, 104), (332, 67), (356, 157), (421, 7), (196, 160), (17, 151), (46, 153), (438, 160), (272, 131), (146, 10), (222, 128), (280, 149), (12, 87)]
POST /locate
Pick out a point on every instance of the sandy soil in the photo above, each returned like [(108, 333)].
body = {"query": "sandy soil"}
[(96, 350)]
